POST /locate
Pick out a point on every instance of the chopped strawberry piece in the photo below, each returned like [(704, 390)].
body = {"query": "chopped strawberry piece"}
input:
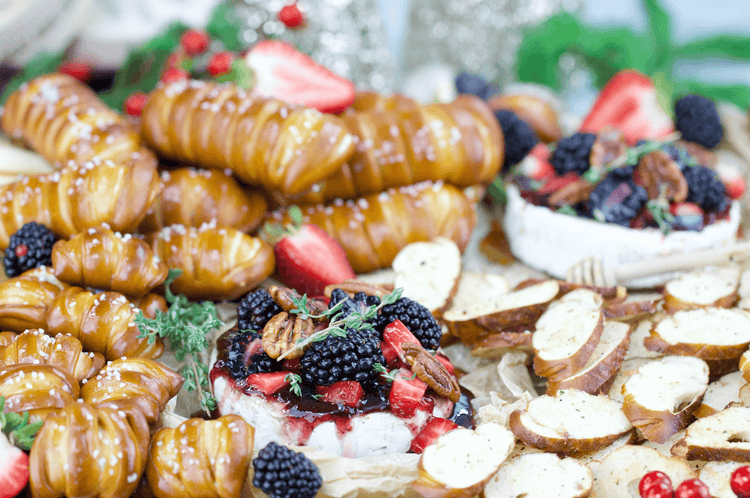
[(446, 362), (79, 70), (14, 468), (195, 42), (345, 392), (406, 393), (174, 74), (220, 63), (555, 183), (133, 105), (431, 431), (732, 179), (394, 335), (426, 404), (268, 383), (536, 164)]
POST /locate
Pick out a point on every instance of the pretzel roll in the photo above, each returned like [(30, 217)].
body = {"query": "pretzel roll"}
[(62, 351), (217, 263), (75, 198), (38, 389), (201, 458), (64, 120), (25, 299), (264, 141), (87, 451), (373, 229), (6, 338), (104, 323), (192, 197), (134, 382), (107, 260)]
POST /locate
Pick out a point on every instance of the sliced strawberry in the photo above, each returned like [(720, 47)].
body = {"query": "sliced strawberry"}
[(687, 216), (406, 393), (732, 179), (268, 383), (446, 362), (629, 102), (555, 183), (431, 431), (79, 70), (14, 468), (345, 392), (394, 335), (283, 72), (536, 164)]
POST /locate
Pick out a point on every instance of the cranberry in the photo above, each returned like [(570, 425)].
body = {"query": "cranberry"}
[(134, 103), (692, 488), (195, 42), (291, 16), (174, 74), (740, 482), (651, 479), (660, 489), (79, 70), (220, 63)]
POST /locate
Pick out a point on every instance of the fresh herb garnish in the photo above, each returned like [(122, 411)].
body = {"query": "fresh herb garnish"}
[(659, 209), (295, 383), (184, 326), (20, 432), (390, 376), (567, 209)]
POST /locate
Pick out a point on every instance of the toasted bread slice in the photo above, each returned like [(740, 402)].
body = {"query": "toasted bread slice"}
[(745, 365), (533, 475), (612, 295), (702, 289), (495, 345), (662, 395), (627, 370), (570, 422), (714, 334), (723, 436), (474, 286), (629, 311), (636, 348), (603, 364), (720, 394), (461, 461), (517, 308), (744, 395), (717, 476), (618, 475), (429, 272), (567, 334)]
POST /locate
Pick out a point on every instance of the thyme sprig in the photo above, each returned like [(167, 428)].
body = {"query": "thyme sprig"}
[(295, 383), (659, 209), (17, 428), (390, 376), (184, 326)]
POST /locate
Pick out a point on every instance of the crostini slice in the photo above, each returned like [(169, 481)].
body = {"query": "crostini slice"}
[(723, 436), (474, 286), (720, 394), (534, 475), (702, 289)]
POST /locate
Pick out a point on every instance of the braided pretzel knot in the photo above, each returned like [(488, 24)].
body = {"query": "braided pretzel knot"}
[(38, 389)]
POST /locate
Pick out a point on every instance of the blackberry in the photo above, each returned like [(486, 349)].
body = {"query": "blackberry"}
[(283, 473), (30, 247), (705, 189), (417, 319), (474, 84), (617, 198), (360, 302), (255, 310), (572, 154), (698, 121), (518, 136), (349, 357), (239, 365)]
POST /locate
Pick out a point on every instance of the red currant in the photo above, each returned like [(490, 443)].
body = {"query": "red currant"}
[(291, 16), (740, 482), (220, 63), (174, 74), (194, 41), (653, 478), (79, 70), (692, 488), (134, 103)]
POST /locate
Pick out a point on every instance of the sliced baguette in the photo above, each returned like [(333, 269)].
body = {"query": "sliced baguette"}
[(496, 345), (618, 475), (628, 368), (567, 334), (629, 311), (603, 364), (723, 436), (461, 461), (533, 475), (744, 395), (570, 422), (517, 308), (702, 289), (717, 476), (744, 286), (720, 394), (637, 349), (745, 365), (662, 395), (429, 272), (609, 294), (475, 286)]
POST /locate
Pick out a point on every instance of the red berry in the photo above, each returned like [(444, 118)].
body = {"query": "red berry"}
[(692, 488), (291, 16), (220, 63), (174, 74), (195, 42), (740, 482), (134, 103), (653, 478), (79, 70), (661, 489), (21, 250)]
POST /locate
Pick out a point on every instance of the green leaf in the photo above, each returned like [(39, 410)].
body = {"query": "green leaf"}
[(659, 35), (295, 214), (225, 26), (733, 47), (41, 63), (496, 190), (567, 210)]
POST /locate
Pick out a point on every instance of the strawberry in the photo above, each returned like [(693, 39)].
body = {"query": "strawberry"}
[(194, 41), (394, 335), (283, 72), (430, 432), (307, 258), (220, 63), (536, 164), (406, 393), (446, 362), (345, 392), (732, 178), (14, 468), (629, 102), (79, 70), (268, 383), (555, 183), (133, 105)]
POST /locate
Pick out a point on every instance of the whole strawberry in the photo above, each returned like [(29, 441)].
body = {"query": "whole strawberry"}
[(307, 258)]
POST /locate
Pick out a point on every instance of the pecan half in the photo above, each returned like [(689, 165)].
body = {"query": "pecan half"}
[(430, 371), (283, 297), (352, 286), (572, 193), (658, 171), (608, 146), (282, 332)]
